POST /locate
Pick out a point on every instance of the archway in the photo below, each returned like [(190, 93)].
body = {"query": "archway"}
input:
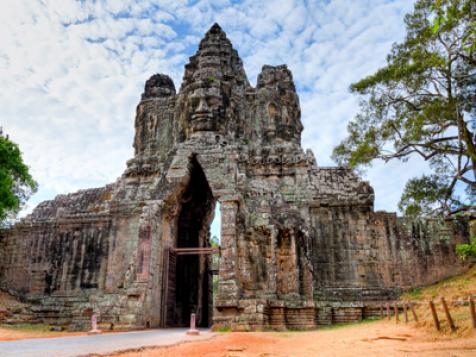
[(190, 283)]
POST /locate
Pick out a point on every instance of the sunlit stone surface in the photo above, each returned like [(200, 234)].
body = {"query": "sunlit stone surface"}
[(300, 244)]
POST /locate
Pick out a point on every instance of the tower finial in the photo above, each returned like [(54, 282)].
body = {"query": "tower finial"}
[(215, 28)]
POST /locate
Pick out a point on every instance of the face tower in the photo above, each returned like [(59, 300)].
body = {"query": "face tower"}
[(300, 244)]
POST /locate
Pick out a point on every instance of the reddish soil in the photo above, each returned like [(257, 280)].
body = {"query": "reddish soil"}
[(9, 334), (380, 338)]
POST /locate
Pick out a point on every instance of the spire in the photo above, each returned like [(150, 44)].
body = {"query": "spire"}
[(215, 60), (215, 29)]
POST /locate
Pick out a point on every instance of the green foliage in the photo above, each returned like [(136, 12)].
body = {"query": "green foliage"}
[(223, 329), (214, 242), (414, 294), (466, 251), (25, 327), (423, 103), (422, 194), (16, 183)]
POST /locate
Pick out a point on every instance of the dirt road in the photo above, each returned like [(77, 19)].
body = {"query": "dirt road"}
[(380, 338), (72, 346)]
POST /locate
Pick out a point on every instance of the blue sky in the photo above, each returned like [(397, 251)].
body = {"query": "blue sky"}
[(72, 72)]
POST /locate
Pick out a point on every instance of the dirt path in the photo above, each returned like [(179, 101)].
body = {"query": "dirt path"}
[(12, 334), (370, 339)]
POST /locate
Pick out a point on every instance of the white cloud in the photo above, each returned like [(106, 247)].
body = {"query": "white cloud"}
[(72, 72)]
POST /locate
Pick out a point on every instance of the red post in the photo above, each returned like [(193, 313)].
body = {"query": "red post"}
[(388, 311), (193, 330), (395, 307)]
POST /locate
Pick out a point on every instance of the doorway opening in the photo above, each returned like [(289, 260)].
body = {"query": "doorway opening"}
[(190, 264)]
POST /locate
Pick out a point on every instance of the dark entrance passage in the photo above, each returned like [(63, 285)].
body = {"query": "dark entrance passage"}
[(189, 282)]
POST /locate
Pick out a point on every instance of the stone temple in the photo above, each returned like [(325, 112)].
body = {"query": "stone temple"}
[(300, 244)]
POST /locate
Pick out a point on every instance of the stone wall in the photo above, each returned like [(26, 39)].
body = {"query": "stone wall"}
[(362, 255), (300, 244)]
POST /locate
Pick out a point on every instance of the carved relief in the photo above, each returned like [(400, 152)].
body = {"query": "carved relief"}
[(297, 240)]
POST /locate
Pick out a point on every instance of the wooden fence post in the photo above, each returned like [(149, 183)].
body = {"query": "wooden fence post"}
[(388, 311), (405, 312), (448, 315), (413, 312), (395, 307), (381, 311), (472, 311), (435, 315)]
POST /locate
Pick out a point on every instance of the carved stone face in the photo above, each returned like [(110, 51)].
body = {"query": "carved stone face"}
[(206, 108)]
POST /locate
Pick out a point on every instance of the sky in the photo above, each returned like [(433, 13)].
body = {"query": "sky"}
[(71, 74)]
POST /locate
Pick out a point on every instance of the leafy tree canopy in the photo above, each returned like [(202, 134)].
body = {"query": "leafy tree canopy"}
[(16, 183), (423, 103)]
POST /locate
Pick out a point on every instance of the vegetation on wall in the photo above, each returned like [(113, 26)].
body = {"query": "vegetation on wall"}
[(466, 251)]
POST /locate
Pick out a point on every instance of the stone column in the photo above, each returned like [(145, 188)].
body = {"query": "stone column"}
[(228, 289)]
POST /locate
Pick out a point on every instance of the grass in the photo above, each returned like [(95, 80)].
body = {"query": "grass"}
[(39, 328), (457, 287), (291, 332), (222, 329), (455, 290), (348, 324)]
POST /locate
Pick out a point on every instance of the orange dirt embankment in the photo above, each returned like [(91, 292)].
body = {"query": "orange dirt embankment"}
[(22, 333), (380, 338), (456, 291)]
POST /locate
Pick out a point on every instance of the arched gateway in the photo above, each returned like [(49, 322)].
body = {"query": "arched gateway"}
[(300, 244)]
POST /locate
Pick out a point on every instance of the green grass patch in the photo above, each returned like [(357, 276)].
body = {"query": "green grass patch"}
[(27, 327), (223, 329), (460, 285), (348, 324), (292, 332), (414, 294)]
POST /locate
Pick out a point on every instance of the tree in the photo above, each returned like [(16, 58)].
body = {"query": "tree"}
[(16, 183), (465, 251), (423, 103)]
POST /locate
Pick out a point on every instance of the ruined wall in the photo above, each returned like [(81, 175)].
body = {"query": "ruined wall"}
[(56, 251), (362, 255), (300, 244)]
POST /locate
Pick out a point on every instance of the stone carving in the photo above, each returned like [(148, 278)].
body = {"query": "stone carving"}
[(300, 244), (157, 86)]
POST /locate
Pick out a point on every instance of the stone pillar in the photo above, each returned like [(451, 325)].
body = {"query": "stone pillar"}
[(228, 289)]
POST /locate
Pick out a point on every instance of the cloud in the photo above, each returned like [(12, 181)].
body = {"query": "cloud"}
[(72, 73)]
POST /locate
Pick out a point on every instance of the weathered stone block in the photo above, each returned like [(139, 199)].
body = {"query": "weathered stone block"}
[(300, 244)]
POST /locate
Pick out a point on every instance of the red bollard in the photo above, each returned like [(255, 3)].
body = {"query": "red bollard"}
[(193, 331)]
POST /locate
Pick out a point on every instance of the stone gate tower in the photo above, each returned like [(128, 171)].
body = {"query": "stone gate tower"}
[(300, 244)]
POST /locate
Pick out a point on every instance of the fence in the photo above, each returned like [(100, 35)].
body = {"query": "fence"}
[(407, 306)]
